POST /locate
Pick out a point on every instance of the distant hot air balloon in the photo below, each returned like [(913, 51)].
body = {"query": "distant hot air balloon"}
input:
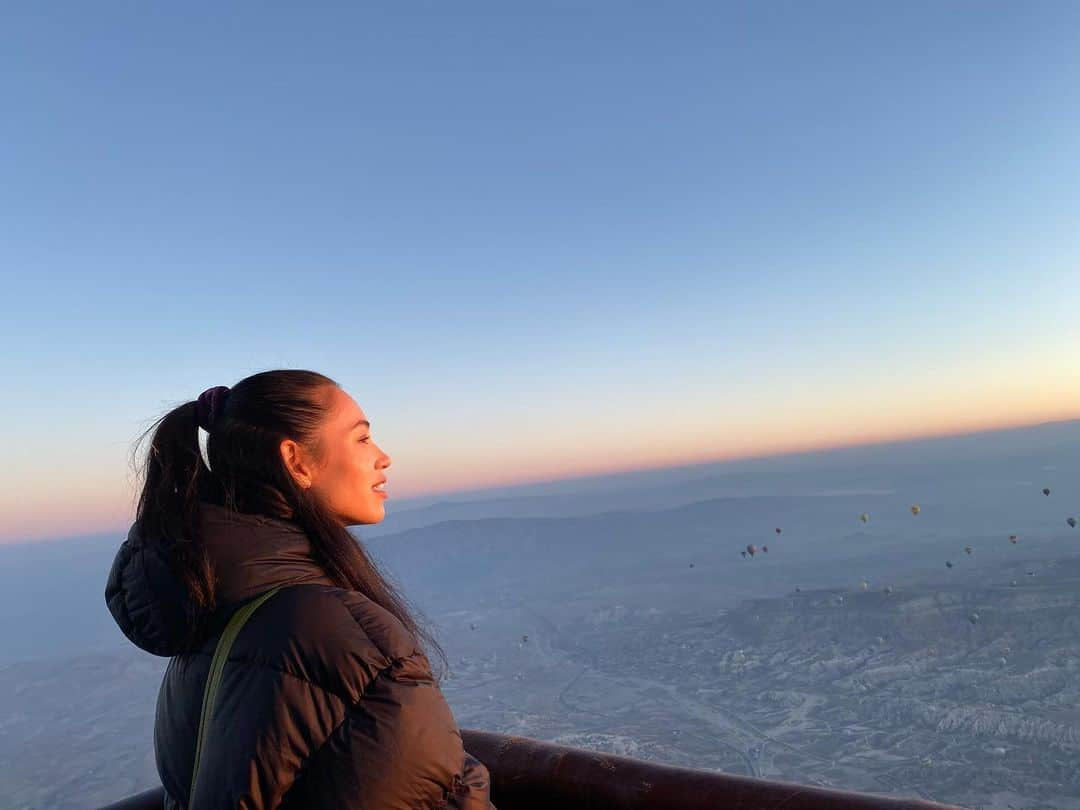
[(948, 564), (1012, 584), (765, 549), (915, 509), (743, 554), (974, 617), (888, 589), (524, 638), (751, 549), (798, 590), (1046, 491), (967, 549), (864, 585), (864, 517), (691, 565), (778, 531), (1013, 539), (472, 625), (1072, 522)]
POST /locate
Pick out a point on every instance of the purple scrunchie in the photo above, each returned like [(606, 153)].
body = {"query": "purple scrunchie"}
[(211, 403)]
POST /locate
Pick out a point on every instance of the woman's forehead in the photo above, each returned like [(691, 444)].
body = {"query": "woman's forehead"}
[(347, 414)]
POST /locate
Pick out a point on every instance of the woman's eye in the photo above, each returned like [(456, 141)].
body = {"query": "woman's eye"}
[(366, 438)]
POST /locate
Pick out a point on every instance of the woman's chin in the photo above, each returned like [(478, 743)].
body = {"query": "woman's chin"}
[(373, 515)]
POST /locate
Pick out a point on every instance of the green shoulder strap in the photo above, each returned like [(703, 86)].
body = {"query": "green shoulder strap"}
[(217, 667)]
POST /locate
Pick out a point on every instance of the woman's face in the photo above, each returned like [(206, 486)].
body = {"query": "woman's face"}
[(351, 464)]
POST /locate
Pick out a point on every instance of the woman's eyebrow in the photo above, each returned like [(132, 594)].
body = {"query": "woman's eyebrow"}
[(364, 422)]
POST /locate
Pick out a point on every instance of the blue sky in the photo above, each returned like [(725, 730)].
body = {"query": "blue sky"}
[(534, 240)]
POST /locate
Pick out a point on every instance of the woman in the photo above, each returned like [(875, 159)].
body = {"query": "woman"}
[(327, 699)]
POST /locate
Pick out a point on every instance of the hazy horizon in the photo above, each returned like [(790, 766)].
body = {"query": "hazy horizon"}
[(613, 478)]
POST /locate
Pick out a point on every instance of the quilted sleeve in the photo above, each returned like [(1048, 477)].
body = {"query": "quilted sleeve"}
[(399, 748)]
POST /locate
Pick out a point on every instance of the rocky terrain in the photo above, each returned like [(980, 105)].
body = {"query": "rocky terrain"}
[(896, 692)]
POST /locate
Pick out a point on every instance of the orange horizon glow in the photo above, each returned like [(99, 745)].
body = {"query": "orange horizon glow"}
[(116, 517), (776, 449)]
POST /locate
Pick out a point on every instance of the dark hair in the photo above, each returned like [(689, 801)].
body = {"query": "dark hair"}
[(249, 476)]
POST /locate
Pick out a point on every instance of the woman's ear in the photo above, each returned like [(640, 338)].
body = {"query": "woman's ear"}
[(296, 462)]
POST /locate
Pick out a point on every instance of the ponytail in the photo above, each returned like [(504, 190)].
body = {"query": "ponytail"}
[(168, 509)]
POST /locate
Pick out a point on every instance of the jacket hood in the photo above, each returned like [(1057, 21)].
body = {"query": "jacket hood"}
[(250, 554)]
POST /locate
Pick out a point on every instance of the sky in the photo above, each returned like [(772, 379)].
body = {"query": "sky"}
[(534, 241)]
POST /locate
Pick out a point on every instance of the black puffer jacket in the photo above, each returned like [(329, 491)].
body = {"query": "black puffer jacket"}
[(326, 701)]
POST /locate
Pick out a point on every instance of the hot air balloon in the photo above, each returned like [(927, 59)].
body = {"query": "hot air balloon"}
[(751, 549), (765, 549), (1072, 522), (967, 549), (948, 564), (888, 589), (915, 509), (864, 585), (1046, 491), (778, 531), (743, 554), (864, 517), (1013, 539), (974, 617), (472, 625), (524, 638), (691, 565)]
